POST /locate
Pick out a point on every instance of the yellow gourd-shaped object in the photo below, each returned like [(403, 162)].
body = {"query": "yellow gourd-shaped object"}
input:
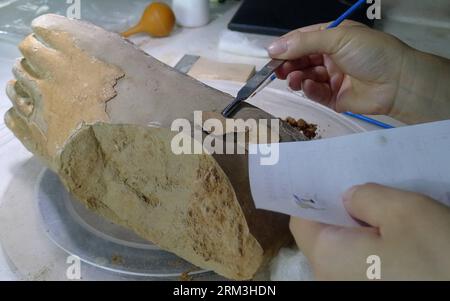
[(158, 20)]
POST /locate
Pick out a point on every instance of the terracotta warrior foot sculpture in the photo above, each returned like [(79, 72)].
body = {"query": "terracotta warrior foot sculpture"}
[(98, 111)]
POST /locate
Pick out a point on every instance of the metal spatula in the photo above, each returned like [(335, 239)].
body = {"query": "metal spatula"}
[(253, 85)]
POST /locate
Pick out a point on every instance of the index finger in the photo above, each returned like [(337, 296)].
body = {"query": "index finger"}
[(302, 63)]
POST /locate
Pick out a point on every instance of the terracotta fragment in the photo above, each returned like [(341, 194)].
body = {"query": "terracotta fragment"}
[(86, 102)]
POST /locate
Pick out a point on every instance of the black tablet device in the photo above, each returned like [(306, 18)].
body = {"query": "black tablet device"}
[(277, 17)]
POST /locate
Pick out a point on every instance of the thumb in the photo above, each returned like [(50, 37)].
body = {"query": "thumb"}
[(301, 43), (379, 206)]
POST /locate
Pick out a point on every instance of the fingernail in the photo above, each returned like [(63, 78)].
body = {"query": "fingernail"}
[(348, 195), (278, 47)]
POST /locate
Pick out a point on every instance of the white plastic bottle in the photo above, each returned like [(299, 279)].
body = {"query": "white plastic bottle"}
[(191, 13)]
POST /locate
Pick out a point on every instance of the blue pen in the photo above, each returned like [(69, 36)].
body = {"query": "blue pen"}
[(370, 120), (347, 14)]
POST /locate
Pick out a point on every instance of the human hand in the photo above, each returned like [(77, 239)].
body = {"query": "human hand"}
[(409, 232), (358, 69)]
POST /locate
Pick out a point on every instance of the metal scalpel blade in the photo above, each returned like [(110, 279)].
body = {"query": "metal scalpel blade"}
[(252, 86)]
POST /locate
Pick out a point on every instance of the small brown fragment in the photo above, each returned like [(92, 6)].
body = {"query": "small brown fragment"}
[(117, 260), (186, 276), (308, 129)]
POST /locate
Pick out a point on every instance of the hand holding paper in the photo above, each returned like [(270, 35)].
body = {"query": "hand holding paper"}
[(311, 177), (407, 232), (409, 240)]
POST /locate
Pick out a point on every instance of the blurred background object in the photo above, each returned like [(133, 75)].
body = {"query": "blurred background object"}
[(424, 25), (191, 13), (115, 15), (158, 20), (282, 16)]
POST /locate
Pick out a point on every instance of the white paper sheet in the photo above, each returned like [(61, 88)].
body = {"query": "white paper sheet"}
[(311, 177)]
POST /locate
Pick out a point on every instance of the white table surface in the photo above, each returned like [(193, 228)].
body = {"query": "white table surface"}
[(200, 41)]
